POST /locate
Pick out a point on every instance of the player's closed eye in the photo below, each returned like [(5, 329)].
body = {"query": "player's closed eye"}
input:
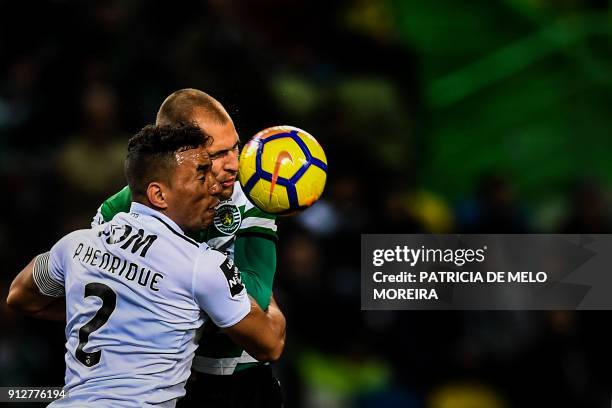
[(203, 177), (223, 153), (203, 170)]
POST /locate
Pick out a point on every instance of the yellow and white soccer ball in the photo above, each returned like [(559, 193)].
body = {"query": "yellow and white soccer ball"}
[(283, 170)]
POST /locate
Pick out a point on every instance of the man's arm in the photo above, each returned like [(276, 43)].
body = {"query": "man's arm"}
[(26, 297), (261, 334), (219, 292)]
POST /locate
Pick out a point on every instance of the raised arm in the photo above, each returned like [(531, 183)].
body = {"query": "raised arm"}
[(25, 293), (220, 292)]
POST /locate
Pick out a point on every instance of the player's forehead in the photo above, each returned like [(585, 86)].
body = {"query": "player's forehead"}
[(223, 141), (224, 135), (192, 160)]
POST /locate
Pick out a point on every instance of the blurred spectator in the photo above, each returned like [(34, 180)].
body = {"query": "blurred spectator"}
[(495, 209), (589, 211), (465, 395), (19, 99), (92, 160)]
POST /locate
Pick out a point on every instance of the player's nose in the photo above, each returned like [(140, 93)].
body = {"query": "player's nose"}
[(231, 162)]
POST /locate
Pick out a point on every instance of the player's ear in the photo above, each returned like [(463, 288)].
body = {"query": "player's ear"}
[(156, 194)]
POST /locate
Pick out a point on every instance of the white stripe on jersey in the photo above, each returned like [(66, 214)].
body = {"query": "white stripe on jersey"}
[(258, 222), (220, 366)]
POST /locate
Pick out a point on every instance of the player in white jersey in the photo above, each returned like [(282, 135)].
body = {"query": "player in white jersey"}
[(137, 288)]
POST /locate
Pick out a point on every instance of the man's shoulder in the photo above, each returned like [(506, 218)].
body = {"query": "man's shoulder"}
[(217, 271), (135, 230), (209, 258), (78, 234), (70, 242), (118, 202), (168, 232)]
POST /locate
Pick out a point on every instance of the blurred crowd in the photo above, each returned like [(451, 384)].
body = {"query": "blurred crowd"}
[(78, 78)]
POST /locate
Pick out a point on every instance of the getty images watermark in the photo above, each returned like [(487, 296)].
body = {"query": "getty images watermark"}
[(486, 272)]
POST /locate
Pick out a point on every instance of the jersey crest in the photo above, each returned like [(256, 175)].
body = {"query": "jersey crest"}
[(227, 218)]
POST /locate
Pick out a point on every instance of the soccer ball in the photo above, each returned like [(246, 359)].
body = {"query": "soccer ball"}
[(283, 170)]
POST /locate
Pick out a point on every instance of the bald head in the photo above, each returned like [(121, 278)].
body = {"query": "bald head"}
[(184, 105), (191, 106)]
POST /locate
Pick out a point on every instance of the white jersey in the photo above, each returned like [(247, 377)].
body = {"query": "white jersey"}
[(233, 217), (135, 290)]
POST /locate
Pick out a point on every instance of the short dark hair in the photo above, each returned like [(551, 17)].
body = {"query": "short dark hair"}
[(151, 154), (181, 105)]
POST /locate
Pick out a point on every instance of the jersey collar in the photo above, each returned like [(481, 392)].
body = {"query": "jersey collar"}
[(138, 208)]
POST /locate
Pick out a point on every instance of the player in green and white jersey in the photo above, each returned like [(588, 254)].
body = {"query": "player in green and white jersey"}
[(242, 231)]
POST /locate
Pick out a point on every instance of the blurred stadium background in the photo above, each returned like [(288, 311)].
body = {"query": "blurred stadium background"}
[(437, 116)]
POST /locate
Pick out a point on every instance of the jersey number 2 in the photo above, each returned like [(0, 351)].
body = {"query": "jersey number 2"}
[(109, 301)]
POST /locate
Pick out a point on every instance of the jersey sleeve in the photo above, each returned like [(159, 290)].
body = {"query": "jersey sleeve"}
[(255, 221), (119, 202), (48, 272), (218, 289), (255, 256)]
